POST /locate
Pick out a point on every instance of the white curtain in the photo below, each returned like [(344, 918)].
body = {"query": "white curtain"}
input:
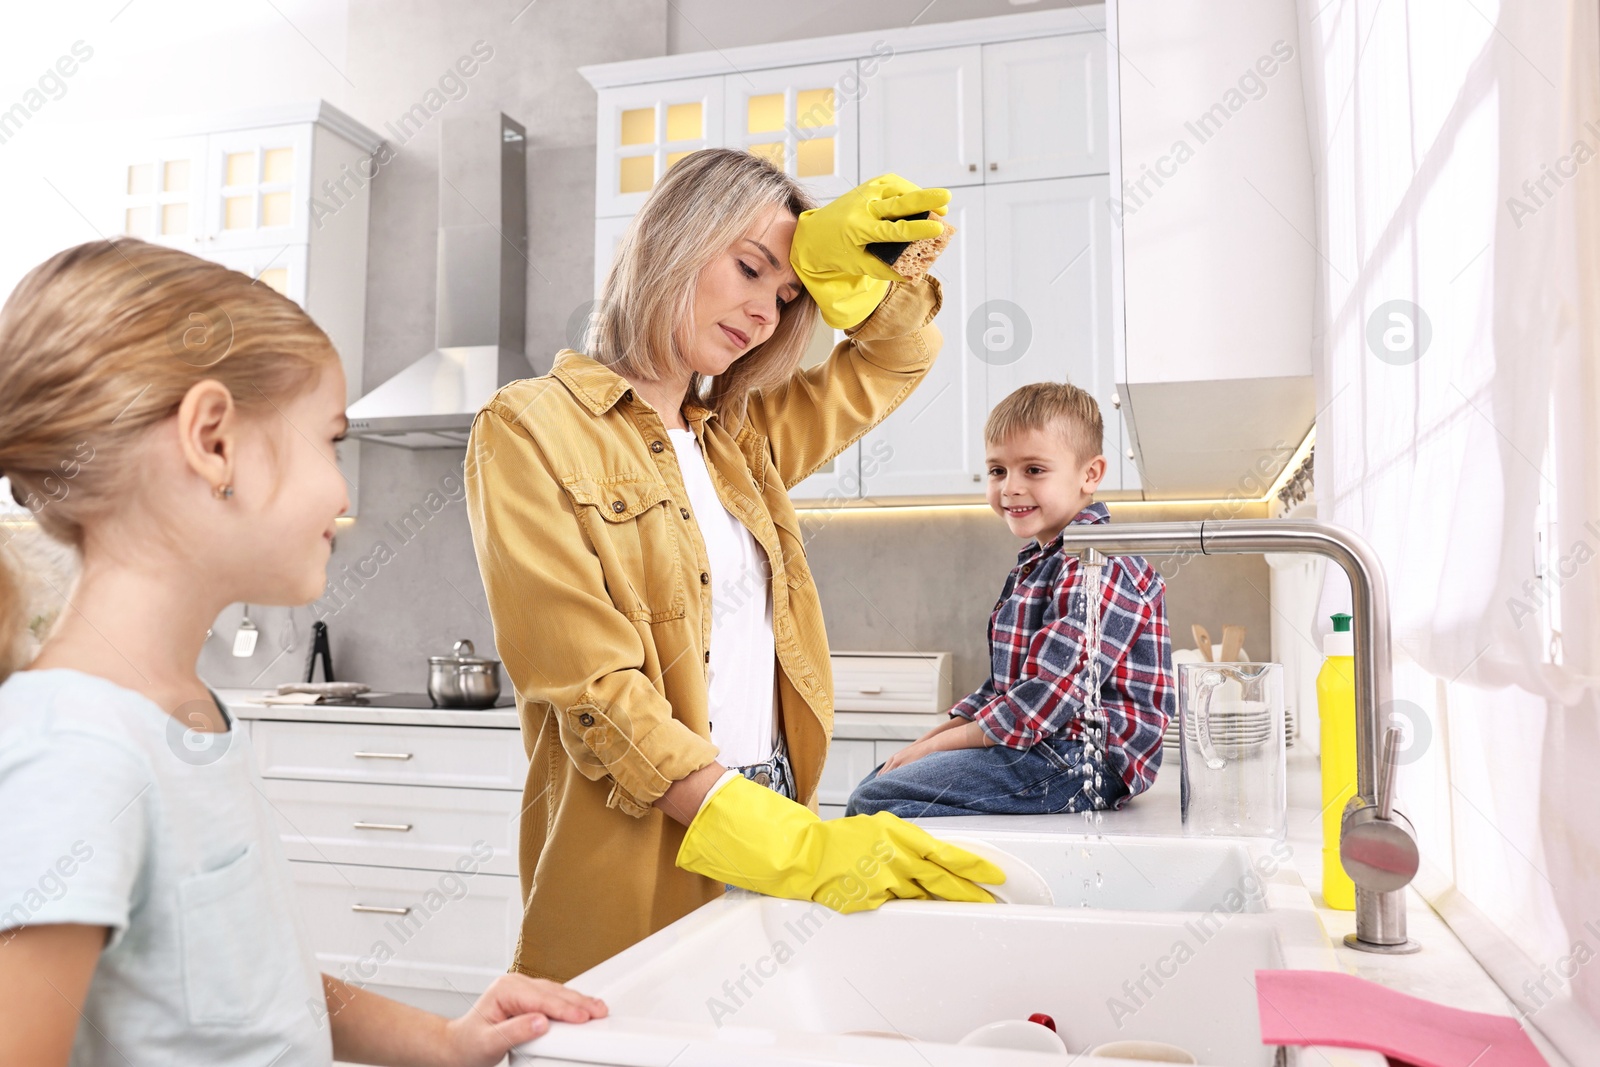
[(1457, 150)]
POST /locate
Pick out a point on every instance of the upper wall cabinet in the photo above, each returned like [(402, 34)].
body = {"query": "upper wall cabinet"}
[(1044, 108), (922, 115), (644, 130), (1007, 112)]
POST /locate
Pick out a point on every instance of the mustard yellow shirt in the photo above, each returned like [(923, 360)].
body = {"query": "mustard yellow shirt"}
[(599, 589)]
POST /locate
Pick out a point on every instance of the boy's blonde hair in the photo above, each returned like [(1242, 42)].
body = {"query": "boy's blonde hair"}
[(101, 342), (697, 210), (1044, 405)]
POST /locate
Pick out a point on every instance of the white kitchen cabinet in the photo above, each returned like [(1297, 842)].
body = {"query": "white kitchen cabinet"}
[(1044, 108), (461, 757), (932, 443), (400, 834), (1047, 254), (922, 117), (882, 702), (848, 762), (386, 826), (1027, 298), (644, 130), (427, 930), (804, 119), (608, 234)]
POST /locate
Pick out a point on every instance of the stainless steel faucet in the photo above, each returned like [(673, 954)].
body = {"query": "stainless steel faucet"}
[(1376, 843)]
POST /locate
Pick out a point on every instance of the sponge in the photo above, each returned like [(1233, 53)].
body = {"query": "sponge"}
[(912, 259)]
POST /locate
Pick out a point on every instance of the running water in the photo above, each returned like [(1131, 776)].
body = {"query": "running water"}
[(1094, 720)]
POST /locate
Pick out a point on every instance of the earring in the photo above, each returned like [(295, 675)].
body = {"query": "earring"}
[(222, 492)]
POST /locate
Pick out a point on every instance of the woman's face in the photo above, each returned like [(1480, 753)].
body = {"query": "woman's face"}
[(741, 292)]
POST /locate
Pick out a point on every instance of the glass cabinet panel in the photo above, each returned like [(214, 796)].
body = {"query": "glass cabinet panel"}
[(645, 130), (765, 113), (802, 119), (686, 122), (639, 126)]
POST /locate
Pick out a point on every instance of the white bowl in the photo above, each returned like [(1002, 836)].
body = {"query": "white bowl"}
[(1149, 1051), (1019, 1034)]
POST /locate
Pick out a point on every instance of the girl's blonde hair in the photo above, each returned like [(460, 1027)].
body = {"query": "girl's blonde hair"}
[(705, 203), (101, 342)]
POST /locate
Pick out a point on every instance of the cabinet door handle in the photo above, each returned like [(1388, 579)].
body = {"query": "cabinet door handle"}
[(870, 689), (383, 755), (972, 166), (374, 909), (994, 166), (402, 827)]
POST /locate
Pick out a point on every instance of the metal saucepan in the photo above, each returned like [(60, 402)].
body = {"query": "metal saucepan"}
[(463, 680)]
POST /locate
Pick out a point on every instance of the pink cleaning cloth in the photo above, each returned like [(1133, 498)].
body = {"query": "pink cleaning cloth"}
[(1343, 1011)]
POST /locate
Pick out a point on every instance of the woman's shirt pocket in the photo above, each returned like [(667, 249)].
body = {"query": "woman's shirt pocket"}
[(628, 522), (229, 979)]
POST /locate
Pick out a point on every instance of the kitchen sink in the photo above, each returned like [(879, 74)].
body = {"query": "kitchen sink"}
[(1146, 873), (754, 980)]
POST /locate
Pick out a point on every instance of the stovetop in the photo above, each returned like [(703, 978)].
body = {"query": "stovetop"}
[(404, 700)]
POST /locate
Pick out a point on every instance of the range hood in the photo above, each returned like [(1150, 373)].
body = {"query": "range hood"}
[(482, 292)]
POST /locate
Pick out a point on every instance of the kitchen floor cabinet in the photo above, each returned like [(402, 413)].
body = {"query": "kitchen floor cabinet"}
[(403, 839)]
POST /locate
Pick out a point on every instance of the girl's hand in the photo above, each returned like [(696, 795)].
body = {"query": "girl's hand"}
[(514, 1009)]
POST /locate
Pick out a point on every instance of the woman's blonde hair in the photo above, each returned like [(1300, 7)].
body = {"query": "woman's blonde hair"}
[(705, 203), (101, 342)]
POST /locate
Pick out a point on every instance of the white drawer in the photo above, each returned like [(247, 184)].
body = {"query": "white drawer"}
[(422, 929), (848, 762), (467, 757), (395, 825), (891, 682)]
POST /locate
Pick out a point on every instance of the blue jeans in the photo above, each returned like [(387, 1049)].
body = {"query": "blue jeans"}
[(1047, 779)]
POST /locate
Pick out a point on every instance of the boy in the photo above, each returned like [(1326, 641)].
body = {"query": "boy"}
[(1022, 744)]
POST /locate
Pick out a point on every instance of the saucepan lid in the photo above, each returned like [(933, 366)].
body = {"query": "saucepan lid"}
[(464, 656)]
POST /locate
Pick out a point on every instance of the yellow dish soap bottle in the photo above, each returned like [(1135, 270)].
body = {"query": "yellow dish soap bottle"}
[(1336, 707)]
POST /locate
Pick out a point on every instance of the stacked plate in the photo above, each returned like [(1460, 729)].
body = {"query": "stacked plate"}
[(1237, 729)]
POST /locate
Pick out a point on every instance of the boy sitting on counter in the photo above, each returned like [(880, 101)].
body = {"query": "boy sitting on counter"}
[(1025, 743)]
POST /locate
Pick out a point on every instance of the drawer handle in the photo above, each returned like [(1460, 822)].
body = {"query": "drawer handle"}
[(402, 827), (383, 755), (376, 910), (869, 689)]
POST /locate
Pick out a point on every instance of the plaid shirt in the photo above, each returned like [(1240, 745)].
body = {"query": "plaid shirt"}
[(1037, 664)]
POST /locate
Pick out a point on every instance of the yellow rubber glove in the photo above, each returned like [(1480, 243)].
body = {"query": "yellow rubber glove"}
[(829, 250), (749, 836)]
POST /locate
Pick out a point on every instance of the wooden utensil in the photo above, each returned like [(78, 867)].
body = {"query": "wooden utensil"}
[(1232, 642), (1202, 641)]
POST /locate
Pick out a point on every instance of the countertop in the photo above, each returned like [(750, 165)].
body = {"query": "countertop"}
[(244, 703), (1444, 971)]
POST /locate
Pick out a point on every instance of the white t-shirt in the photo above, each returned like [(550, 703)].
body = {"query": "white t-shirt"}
[(117, 815), (743, 655)]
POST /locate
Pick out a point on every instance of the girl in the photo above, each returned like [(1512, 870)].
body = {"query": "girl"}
[(145, 907), (645, 572)]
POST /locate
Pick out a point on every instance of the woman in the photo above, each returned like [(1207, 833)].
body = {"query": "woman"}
[(677, 712)]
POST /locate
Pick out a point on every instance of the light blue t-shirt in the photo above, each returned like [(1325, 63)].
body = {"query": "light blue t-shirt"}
[(114, 813)]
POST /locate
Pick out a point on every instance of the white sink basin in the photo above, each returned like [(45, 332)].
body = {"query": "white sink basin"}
[(750, 980), (1144, 873)]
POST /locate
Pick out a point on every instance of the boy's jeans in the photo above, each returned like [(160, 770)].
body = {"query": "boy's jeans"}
[(1047, 779)]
